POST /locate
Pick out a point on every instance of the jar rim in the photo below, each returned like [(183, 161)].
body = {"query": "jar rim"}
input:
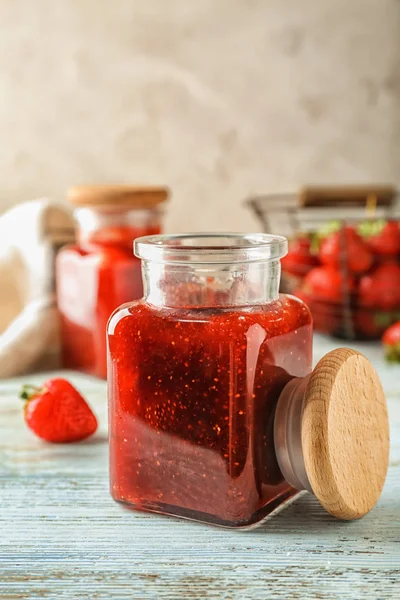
[(209, 248)]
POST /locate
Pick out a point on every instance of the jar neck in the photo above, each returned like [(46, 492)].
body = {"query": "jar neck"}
[(210, 285), (287, 433), (115, 226)]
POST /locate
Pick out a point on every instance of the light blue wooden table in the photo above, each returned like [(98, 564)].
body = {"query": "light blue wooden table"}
[(61, 535)]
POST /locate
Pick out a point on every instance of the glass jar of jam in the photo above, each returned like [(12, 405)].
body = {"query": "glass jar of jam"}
[(214, 412), (100, 272)]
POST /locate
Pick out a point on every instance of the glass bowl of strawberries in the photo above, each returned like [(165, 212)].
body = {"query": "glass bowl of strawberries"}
[(347, 270)]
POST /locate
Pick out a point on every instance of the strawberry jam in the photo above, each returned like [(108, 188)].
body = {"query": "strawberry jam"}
[(99, 273), (195, 372)]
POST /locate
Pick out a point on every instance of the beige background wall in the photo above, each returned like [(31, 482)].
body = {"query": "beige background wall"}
[(217, 98)]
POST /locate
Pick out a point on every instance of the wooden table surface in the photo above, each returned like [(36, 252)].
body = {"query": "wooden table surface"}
[(61, 535)]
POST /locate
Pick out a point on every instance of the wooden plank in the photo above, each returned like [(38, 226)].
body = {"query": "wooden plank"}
[(61, 535)]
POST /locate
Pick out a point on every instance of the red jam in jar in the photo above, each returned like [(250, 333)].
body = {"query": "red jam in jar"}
[(100, 272), (195, 370)]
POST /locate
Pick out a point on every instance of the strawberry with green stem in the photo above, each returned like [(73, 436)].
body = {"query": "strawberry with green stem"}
[(391, 342), (347, 244), (56, 412), (383, 238)]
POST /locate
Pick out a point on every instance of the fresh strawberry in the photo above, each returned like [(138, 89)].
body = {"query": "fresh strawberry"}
[(57, 412), (391, 342), (325, 283), (347, 244), (381, 288), (299, 259), (386, 242), (322, 232)]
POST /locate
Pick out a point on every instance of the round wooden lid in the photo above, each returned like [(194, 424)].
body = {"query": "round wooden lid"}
[(121, 195), (345, 434)]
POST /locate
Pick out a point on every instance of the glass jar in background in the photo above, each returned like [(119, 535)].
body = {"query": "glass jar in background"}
[(100, 272), (214, 412)]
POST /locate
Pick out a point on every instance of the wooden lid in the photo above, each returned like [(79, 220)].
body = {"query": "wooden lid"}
[(345, 434), (121, 195)]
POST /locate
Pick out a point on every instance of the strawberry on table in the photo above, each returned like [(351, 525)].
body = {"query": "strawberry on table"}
[(56, 412), (391, 342)]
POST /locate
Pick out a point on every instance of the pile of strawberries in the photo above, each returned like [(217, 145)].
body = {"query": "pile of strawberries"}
[(349, 277)]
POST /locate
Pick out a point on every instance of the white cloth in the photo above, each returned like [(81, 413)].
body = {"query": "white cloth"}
[(30, 235)]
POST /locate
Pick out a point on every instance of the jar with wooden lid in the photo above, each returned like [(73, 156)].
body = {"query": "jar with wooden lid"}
[(215, 412), (100, 272)]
